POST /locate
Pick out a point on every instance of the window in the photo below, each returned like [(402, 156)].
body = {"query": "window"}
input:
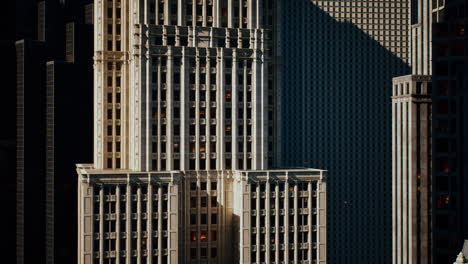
[(193, 236), (203, 219), (203, 236), (193, 219), (214, 219)]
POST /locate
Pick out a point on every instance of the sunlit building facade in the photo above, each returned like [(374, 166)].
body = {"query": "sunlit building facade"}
[(184, 141)]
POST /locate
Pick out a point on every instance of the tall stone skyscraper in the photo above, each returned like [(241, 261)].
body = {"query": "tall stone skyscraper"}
[(412, 148), (184, 135), (337, 61)]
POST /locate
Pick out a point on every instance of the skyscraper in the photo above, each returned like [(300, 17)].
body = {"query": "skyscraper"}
[(412, 148), (184, 134), (337, 59), (47, 85), (450, 127)]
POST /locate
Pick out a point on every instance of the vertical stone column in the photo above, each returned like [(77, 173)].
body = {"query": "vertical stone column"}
[(267, 222), (128, 231), (234, 111), (264, 121), (277, 226), (394, 178), (149, 222), (230, 14), (197, 110), (257, 111), (169, 110), (207, 92), (101, 225), (257, 225), (85, 220), (322, 221), (412, 180), (181, 13), (221, 112), (404, 173), (117, 224), (160, 227), (295, 227), (184, 110), (167, 13), (398, 176), (310, 213), (173, 215), (139, 231), (159, 120), (286, 217)]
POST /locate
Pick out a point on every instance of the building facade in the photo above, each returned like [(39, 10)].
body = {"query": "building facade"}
[(46, 86), (412, 146), (336, 61), (449, 98), (184, 132)]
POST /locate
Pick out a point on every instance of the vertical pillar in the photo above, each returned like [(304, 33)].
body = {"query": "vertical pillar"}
[(257, 111), (267, 222), (128, 228), (322, 221), (139, 231), (169, 110), (101, 225), (208, 82), (149, 223), (117, 224), (234, 110), (173, 220), (220, 113), (184, 110)]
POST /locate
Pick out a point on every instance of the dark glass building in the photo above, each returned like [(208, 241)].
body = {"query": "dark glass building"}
[(337, 60), (450, 128), (53, 70)]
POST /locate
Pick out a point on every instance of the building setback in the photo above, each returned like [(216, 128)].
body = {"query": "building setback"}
[(411, 148), (336, 61), (184, 139)]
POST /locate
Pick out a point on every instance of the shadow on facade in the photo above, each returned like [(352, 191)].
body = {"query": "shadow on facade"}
[(336, 115)]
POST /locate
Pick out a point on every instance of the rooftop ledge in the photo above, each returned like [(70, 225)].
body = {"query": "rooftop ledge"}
[(88, 173)]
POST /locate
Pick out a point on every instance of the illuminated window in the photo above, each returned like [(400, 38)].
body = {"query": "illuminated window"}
[(193, 236), (203, 236)]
